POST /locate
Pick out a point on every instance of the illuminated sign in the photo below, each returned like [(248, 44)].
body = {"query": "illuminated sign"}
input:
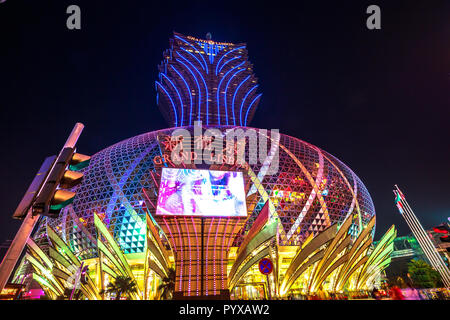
[(193, 192), (170, 143)]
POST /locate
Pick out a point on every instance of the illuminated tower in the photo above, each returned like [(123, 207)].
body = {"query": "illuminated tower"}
[(421, 236), (208, 81), (212, 82)]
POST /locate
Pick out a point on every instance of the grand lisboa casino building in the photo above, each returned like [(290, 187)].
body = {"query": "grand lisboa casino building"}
[(139, 214)]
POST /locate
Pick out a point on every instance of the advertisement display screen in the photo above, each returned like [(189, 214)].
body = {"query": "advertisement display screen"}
[(193, 192)]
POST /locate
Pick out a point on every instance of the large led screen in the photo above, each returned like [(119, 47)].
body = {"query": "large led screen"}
[(192, 192)]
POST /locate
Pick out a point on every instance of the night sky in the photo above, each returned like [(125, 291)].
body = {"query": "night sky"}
[(378, 100)]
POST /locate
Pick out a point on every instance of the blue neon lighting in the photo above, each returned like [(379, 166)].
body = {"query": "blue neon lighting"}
[(173, 105), (198, 85), (206, 89), (201, 56), (179, 96), (188, 91), (234, 97), (229, 60), (218, 89), (226, 90), (218, 63), (210, 49), (250, 106), (206, 65), (243, 101), (201, 64)]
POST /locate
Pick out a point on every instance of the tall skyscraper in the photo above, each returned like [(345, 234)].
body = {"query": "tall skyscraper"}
[(208, 81)]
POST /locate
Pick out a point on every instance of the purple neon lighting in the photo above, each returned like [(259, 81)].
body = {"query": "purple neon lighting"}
[(223, 252), (214, 256)]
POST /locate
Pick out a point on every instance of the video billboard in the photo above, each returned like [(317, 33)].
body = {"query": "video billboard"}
[(194, 192)]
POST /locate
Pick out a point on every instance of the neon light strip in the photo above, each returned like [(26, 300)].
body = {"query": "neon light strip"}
[(425, 242), (181, 254), (171, 235), (206, 88), (207, 255), (190, 257), (198, 255), (214, 254), (266, 164), (222, 261), (230, 242), (173, 105), (250, 106), (218, 89), (189, 53), (243, 101), (226, 90), (198, 86), (354, 190), (234, 98), (218, 63), (226, 62), (195, 50), (179, 96), (421, 238)]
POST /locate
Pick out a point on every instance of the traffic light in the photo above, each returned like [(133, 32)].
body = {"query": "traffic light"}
[(64, 175), (445, 238)]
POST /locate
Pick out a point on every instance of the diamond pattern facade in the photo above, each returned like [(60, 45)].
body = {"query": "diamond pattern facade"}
[(311, 191)]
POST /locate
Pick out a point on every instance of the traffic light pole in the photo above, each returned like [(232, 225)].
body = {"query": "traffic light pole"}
[(15, 250)]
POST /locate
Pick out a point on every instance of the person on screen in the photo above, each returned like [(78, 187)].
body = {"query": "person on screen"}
[(190, 191), (170, 199)]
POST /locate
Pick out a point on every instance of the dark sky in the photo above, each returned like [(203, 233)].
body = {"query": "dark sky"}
[(378, 100)]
